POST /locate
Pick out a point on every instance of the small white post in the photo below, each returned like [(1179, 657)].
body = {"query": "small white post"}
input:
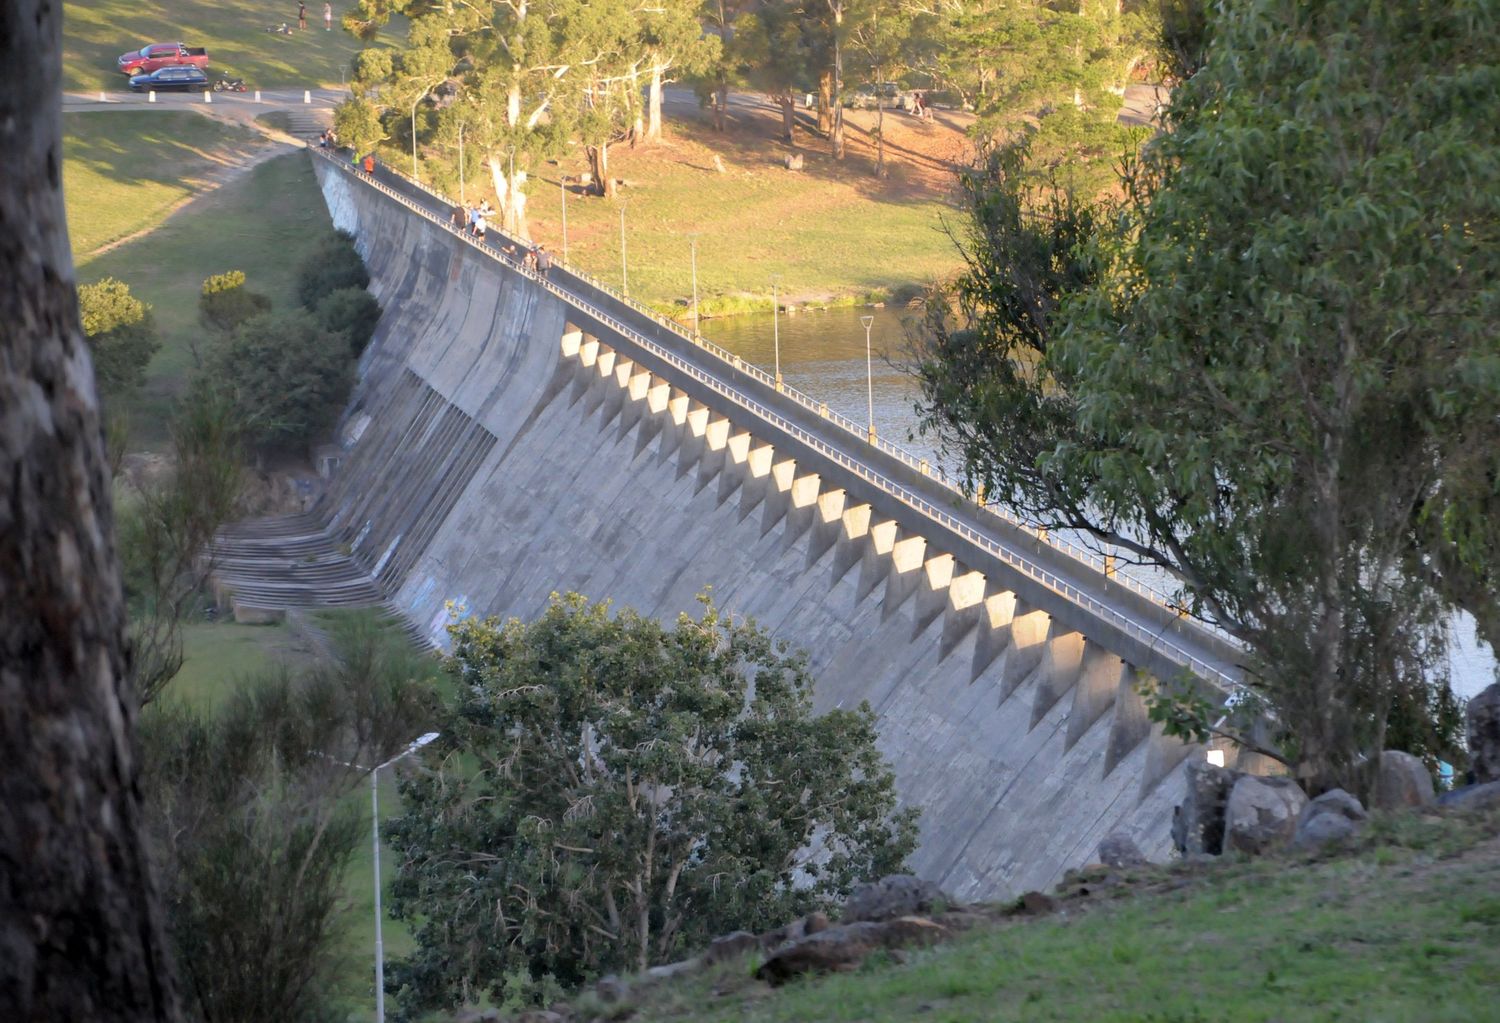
[(307, 95), (208, 97), (151, 96), (102, 99), (257, 95)]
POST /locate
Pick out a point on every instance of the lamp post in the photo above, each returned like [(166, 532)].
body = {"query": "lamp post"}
[(418, 743), (693, 247), (868, 322), (624, 265), (776, 326)]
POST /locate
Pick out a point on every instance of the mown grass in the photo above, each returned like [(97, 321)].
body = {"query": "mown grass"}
[(262, 222), (96, 32), (1406, 929), (219, 655), (124, 172), (832, 233)]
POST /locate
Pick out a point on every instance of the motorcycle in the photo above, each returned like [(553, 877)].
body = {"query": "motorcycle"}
[(227, 84)]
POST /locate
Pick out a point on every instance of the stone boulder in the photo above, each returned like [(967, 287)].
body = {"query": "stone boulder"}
[(1119, 850), (1472, 797), (1402, 782), (1482, 725), (1332, 817), (730, 946), (892, 896), (1198, 823), (1262, 813), (845, 946)]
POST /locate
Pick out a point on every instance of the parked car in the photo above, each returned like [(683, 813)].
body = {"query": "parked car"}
[(159, 55), (167, 79), (868, 96)]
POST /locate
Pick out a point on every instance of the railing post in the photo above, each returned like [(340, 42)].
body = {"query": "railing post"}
[(1109, 566)]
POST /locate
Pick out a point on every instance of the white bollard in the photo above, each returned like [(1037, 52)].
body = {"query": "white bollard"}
[(151, 96), (257, 95), (307, 95), (102, 99), (208, 97)]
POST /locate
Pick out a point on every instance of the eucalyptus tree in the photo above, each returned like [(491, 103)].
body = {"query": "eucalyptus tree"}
[(1273, 374), (672, 43), (775, 53), (880, 34)]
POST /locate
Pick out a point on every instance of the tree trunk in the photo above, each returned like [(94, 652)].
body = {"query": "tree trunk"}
[(598, 156), (653, 114), (825, 101), (510, 193), (788, 104), (879, 135), (81, 935), (836, 136), (721, 104)]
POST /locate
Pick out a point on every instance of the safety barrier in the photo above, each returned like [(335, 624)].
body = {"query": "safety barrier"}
[(1143, 632)]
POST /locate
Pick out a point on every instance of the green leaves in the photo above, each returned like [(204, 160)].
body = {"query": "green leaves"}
[(609, 794)]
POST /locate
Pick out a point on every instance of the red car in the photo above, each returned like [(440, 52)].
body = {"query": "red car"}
[(159, 55)]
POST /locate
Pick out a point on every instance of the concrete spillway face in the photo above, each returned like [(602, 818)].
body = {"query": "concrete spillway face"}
[(513, 453)]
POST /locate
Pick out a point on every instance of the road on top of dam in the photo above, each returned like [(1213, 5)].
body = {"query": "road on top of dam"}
[(1147, 618)]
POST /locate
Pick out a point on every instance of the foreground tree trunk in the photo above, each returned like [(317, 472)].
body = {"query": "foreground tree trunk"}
[(80, 931)]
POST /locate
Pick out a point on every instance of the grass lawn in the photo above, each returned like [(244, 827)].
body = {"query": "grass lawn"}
[(832, 232), (262, 222), (1408, 929), (124, 172), (96, 32), (217, 655)]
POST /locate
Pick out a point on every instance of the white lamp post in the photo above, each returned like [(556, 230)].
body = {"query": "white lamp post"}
[(624, 266), (869, 321), (693, 245), (420, 741), (776, 326)]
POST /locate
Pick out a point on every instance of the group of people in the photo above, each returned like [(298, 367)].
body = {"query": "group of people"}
[(327, 17), (328, 139), (474, 221)]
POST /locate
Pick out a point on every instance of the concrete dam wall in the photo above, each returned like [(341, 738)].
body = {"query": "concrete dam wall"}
[(510, 438)]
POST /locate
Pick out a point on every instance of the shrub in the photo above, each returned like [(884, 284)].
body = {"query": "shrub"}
[(352, 312), (285, 375), (332, 266), (121, 334), (225, 302)]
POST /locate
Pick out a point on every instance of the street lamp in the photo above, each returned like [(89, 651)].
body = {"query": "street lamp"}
[(418, 743), (624, 266), (693, 243), (776, 326), (868, 322)]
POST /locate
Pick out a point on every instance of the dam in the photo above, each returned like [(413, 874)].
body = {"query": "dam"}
[(511, 436)]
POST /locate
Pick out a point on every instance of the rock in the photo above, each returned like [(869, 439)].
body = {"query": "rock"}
[(1262, 813), (669, 970), (845, 946), (1332, 817), (893, 896), (1482, 725), (1033, 904), (815, 922), (1119, 850), (611, 989), (1198, 824), (1401, 783), (718, 164), (730, 946), (794, 161), (1323, 828), (1472, 797)]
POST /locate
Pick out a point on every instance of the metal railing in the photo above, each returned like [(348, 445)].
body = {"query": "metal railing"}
[(1142, 631)]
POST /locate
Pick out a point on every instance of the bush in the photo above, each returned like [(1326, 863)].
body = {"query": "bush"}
[(285, 375), (225, 302), (332, 266), (352, 312), (121, 335)]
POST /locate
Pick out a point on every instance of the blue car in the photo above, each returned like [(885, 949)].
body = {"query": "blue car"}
[(182, 77)]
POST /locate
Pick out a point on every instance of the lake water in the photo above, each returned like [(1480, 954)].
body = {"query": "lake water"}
[(823, 355)]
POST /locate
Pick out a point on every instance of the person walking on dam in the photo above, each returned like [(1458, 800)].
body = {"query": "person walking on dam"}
[(302, 17), (543, 260), (328, 17)]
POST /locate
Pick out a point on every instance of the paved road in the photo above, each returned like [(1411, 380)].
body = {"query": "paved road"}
[(1182, 642)]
